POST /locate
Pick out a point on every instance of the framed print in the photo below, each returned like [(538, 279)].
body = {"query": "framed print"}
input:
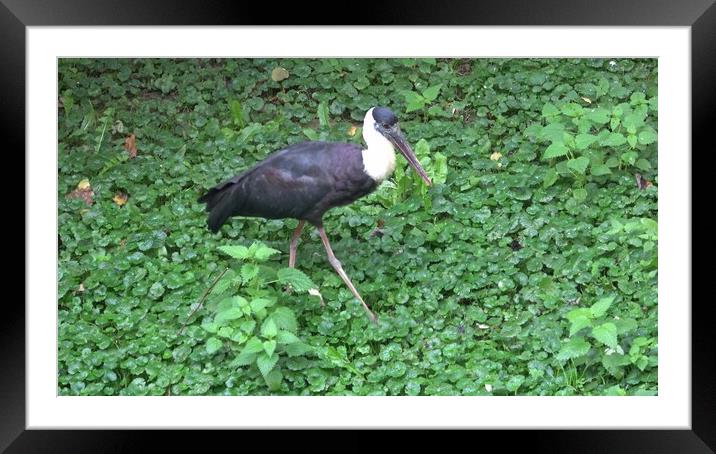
[(477, 219)]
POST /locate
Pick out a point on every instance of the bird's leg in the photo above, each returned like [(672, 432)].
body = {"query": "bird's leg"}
[(339, 269), (292, 250), (294, 244)]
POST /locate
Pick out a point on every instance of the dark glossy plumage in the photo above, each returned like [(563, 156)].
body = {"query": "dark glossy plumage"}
[(302, 182)]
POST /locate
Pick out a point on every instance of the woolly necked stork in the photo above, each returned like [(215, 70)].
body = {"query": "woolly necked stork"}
[(305, 180)]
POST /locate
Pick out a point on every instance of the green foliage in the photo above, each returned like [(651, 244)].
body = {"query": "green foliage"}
[(296, 279), (474, 280), (323, 114), (256, 331), (237, 113), (407, 183), (598, 135), (417, 101), (605, 331)]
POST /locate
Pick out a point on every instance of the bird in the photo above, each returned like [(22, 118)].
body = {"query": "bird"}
[(304, 180)]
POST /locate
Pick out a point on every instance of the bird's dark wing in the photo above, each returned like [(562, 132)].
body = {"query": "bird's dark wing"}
[(301, 182), (286, 186)]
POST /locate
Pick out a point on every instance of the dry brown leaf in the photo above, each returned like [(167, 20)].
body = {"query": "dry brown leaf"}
[(464, 68), (379, 231), (120, 198), (352, 131), (83, 192), (130, 144), (641, 182)]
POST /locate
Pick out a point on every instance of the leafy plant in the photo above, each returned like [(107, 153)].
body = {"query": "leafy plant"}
[(247, 321), (597, 138), (418, 100), (597, 337), (237, 113), (323, 121)]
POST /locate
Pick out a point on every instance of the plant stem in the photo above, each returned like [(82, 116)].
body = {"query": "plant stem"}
[(101, 137), (201, 301)]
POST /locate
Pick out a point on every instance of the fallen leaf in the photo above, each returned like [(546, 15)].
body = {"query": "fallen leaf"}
[(118, 127), (82, 287), (641, 182), (120, 198), (279, 74), (130, 144), (587, 100), (352, 131), (496, 156), (464, 68), (315, 292), (378, 231), (83, 192)]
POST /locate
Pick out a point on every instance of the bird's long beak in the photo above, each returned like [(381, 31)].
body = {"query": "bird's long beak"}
[(396, 137)]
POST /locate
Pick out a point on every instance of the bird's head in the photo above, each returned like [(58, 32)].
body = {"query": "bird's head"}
[(384, 121)]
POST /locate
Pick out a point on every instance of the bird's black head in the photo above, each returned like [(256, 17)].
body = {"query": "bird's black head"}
[(384, 117)]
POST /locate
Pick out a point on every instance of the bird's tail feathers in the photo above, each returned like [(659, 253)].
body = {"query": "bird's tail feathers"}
[(219, 205)]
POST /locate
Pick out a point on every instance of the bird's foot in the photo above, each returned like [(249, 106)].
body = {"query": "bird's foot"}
[(373, 318)]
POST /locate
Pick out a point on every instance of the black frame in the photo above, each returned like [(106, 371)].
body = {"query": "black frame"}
[(15, 15)]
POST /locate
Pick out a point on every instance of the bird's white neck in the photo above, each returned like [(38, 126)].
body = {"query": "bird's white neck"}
[(379, 155)]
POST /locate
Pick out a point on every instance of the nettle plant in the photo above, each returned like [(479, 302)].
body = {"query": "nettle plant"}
[(247, 322), (598, 337), (594, 140), (405, 183), (323, 122), (639, 232), (419, 100)]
